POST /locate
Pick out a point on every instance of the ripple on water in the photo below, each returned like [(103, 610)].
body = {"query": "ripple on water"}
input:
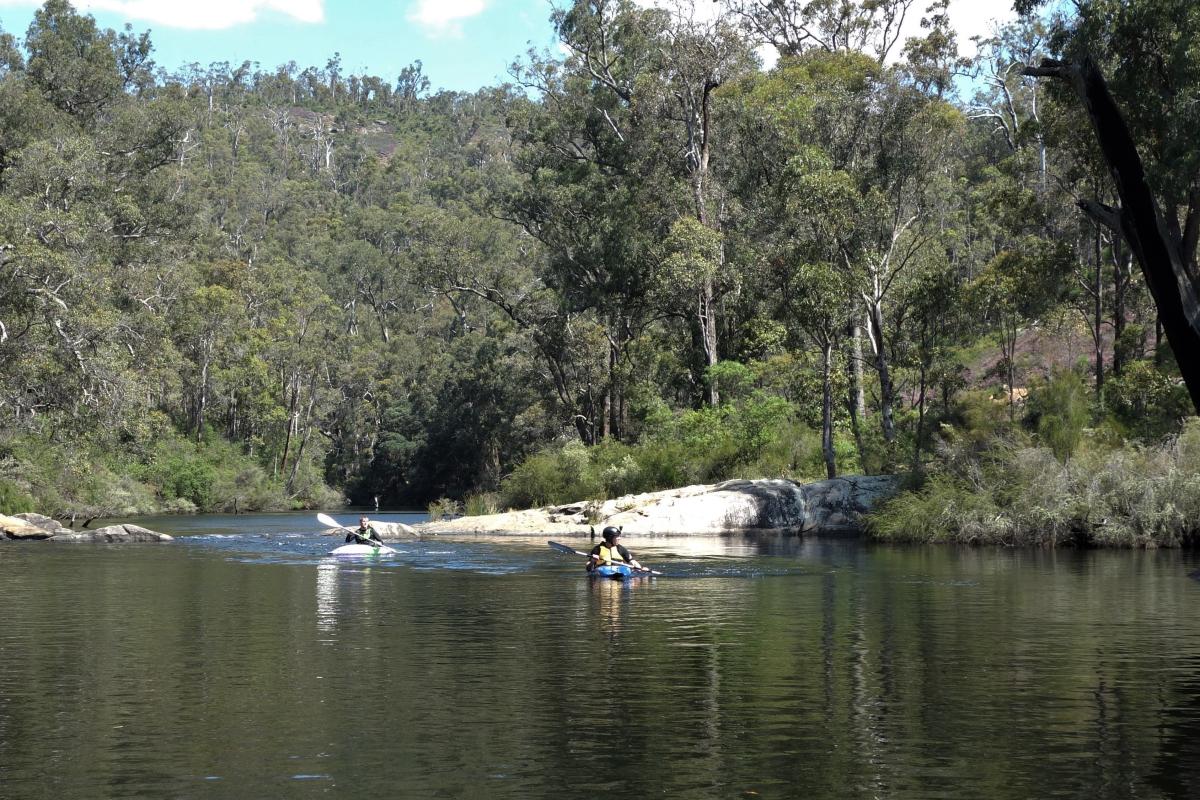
[(247, 664)]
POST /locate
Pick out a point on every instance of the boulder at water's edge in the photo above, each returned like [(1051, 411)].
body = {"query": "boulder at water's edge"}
[(39, 526), (778, 505)]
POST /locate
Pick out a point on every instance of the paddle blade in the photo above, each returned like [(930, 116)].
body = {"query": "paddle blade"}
[(328, 521), (562, 548)]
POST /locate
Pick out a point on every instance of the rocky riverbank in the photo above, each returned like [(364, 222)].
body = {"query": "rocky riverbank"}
[(829, 507), (38, 527)]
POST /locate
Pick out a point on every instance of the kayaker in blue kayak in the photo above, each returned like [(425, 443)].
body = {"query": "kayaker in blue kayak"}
[(365, 533), (609, 551)]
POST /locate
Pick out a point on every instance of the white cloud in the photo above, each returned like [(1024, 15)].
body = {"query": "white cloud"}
[(206, 15), (445, 17), (967, 17)]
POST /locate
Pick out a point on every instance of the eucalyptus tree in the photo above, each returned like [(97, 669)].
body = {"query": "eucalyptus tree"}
[(592, 192), (871, 159), (833, 26), (812, 295), (72, 61), (1008, 101), (1133, 65), (87, 217), (698, 54)]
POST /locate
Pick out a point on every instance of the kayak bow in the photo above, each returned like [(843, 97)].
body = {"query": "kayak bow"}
[(362, 550)]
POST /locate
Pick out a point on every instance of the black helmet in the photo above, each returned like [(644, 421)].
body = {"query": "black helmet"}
[(611, 532)]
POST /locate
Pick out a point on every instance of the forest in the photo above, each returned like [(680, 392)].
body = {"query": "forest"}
[(645, 261)]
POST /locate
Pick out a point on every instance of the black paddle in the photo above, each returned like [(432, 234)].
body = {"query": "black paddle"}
[(562, 548)]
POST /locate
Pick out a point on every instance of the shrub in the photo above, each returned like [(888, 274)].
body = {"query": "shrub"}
[(945, 507), (191, 480), (476, 505), (1147, 401), (1058, 411), (13, 500), (552, 476), (1134, 496), (758, 438), (443, 508)]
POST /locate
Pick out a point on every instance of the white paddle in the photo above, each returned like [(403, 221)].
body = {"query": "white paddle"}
[(330, 522)]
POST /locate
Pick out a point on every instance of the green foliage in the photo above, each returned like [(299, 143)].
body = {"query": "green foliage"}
[(1133, 496), (945, 508), (73, 62), (480, 503), (1147, 401), (233, 288), (735, 379), (13, 500), (979, 417), (189, 480), (1058, 410), (556, 475), (755, 439), (444, 508), (692, 256)]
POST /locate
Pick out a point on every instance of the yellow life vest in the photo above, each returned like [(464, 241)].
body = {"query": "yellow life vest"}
[(610, 554)]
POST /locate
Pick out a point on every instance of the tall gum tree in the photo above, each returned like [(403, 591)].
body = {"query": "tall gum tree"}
[(589, 194), (886, 143), (1144, 115), (698, 54)]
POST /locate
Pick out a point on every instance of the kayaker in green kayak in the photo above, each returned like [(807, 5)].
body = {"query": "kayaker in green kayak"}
[(365, 533), (609, 551)]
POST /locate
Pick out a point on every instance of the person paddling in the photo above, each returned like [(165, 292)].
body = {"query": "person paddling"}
[(365, 533), (609, 551)]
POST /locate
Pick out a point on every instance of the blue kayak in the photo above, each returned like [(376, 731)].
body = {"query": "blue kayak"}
[(617, 572)]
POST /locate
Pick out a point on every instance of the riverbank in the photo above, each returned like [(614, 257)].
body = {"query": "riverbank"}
[(38, 527), (830, 507), (1012, 493)]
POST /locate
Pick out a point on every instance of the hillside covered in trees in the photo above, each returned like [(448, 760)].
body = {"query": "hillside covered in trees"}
[(644, 262)]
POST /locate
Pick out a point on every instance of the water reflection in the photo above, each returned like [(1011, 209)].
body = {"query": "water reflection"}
[(327, 598), (1175, 773), (611, 600), (232, 668)]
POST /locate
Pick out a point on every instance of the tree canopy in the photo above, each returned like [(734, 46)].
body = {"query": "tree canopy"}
[(644, 260)]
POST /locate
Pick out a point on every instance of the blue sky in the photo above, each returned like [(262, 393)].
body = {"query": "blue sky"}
[(463, 44)]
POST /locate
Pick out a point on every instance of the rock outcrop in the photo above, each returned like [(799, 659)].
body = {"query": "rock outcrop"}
[(39, 526), (388, 531), (827, 507), (114, 533)]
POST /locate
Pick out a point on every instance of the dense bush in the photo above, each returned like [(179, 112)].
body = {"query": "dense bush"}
[(171, 474), (1016, 493), (1058, 411), (759, 437), (1147, 401), (13, 500)]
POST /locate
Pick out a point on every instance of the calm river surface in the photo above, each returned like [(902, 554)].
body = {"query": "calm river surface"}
[(241, 662)]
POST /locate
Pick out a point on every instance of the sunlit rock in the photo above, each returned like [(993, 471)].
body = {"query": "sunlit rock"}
[(39, 526), (739, 506), (114, 533)]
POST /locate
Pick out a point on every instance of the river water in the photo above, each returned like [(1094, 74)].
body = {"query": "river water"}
[(242, 662)]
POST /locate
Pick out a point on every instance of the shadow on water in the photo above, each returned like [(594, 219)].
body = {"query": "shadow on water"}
[(245, 662), (1175, 769)]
